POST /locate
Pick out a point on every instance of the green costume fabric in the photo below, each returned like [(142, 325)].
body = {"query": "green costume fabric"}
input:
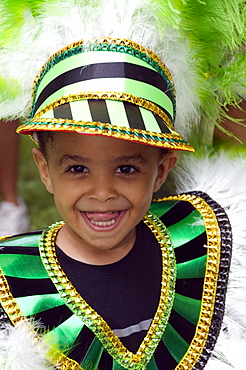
[(196, 249)]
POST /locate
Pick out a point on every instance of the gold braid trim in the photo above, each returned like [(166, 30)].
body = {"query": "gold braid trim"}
[(169, 141), (9, 303), (210, 280), (93, 320)]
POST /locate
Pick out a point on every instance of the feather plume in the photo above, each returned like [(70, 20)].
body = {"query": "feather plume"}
[(221, 174), (13, 17), (216, 30), (202, 43), (20, 348), (152, 23)]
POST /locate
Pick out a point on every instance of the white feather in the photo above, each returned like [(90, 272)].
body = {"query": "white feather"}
[(223, 177), (20, 349)]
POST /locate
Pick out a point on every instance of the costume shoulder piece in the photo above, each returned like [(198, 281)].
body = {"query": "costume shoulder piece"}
[(194, 237)]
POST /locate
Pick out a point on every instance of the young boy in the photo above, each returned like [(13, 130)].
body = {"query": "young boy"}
[(115, 286)]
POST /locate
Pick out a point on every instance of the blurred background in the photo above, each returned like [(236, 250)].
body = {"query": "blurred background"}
[(39, 202)]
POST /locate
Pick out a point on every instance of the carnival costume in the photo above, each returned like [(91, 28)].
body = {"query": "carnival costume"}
[(112, 83)]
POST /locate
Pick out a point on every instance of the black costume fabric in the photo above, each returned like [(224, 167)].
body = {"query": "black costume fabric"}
[(201, 236)]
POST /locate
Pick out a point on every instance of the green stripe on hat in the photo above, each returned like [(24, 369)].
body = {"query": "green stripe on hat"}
[(117, 113), (81, 60), (81, 109), (131, 87), (149, 120)]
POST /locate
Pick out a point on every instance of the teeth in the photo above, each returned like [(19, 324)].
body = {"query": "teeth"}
[(109, 213), (103, 223)]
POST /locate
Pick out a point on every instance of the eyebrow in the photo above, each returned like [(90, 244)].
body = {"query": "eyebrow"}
[(77, 158), (126, 158), (121, 159)]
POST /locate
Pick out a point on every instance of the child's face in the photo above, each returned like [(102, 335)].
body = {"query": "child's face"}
[(102, 186)]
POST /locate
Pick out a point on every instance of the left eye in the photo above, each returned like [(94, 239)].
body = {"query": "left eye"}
[(126, 169)]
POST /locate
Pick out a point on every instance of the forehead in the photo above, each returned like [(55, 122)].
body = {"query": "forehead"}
[(74, 143)]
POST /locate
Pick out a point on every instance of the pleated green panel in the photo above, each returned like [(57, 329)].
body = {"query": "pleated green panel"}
[(175, 344), (93, 355), (117, 366), (152, 364), (187, 307), (39, 303), (23, 266), (27, 241), (187, 229), (195, 268), (160, 208), (65, 334)]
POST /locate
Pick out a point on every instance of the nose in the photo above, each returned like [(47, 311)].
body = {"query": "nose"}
[(102, 189)]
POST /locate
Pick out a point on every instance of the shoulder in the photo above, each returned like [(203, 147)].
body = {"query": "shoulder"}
[(20, 240), (194, 209), (20, 258), (195, 200)]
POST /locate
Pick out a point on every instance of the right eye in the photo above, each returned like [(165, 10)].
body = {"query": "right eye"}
[(78, 169)]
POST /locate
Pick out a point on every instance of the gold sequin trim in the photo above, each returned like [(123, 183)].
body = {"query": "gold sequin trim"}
[(105, 95), (8, 302), (210, 280), (169, 141), (93, 320), (4, 237), (63, 362)]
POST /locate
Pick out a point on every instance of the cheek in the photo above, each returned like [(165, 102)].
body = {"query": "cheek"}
[(142, 194)]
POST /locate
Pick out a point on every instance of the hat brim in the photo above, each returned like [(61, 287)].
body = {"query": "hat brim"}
[(111, 118)]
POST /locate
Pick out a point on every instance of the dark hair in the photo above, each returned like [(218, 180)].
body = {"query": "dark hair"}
[(43, 137), (163, 152)]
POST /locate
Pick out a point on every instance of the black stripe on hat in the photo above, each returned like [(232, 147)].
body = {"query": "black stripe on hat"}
[(63, 111), (99, 111), (163, 127), (134, 116), (104, 70)]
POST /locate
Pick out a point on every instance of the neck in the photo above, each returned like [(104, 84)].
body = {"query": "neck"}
[(76, 248)]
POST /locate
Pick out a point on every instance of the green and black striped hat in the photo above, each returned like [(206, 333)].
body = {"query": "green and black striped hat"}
[(109, 87)]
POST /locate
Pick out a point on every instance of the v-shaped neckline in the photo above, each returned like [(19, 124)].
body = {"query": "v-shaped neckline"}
[(93, 320)]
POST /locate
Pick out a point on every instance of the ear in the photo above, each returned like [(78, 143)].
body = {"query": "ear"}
[(43, 168), (166, 163)]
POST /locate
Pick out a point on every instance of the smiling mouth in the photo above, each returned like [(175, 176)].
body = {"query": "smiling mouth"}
[(103, 219)]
